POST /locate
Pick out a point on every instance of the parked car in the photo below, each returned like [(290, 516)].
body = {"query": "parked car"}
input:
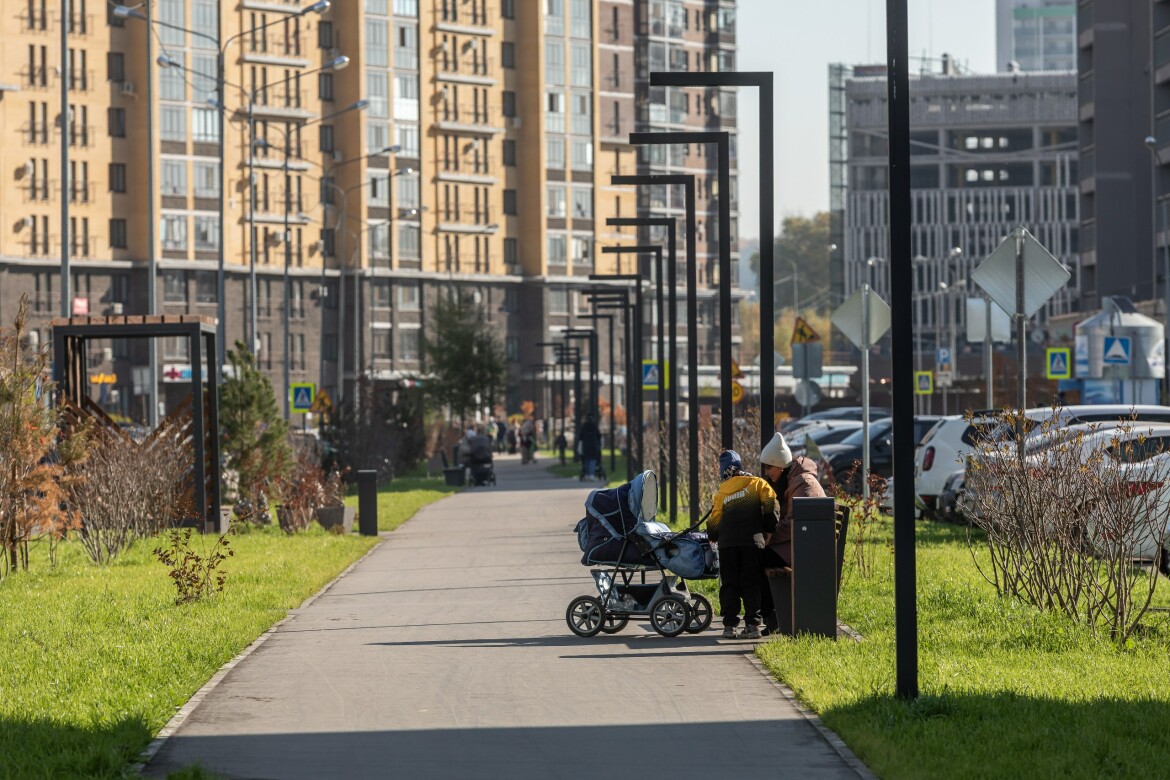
[(822, 432), (951, 505), (944, 449), (1034, 419), (837, 460), (838, 413)]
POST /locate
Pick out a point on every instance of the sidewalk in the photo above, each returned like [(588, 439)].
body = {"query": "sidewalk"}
[(445, 654)]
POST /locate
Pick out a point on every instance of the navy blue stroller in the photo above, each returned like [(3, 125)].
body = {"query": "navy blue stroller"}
[(620, 537)]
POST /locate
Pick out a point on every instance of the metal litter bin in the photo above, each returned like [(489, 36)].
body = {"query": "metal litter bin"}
[(806, 600)]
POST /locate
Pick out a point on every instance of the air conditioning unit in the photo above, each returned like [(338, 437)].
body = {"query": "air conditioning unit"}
[(514, 121), (116, 309), (128, 88)]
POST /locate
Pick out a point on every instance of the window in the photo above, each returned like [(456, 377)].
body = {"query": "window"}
[(580, 18), (380, 241), (117, 118), (409, 241), (380, 343), (172, 123), (117, 177), (511, 251), (554, 61), (408, 192), (325, 136), (582, 256), (582, 202), (408, 296), (580, 65), (174, 232), (509, 152), (509, 103), (378, 93), (406, 96), (508, 54), (377, 46), (406, 8), (380, 190), (174, 286), (298, 351), (556, 250), (406, 48), (172, 81), (176, 348), (380, 293), (324, 35), (205, 125), (174, 177), (116, 66), (325, 86), (556, 200), (205, 23), (512, 348), (206, 174), (582, 114), (558, 300), (408, 343), (582, 155), (508, 9), (510, 202), (555, 146), (554, 112), (407, 139), (206, 233), (118, 234)]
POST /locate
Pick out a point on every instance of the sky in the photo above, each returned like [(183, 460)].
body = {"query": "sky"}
[(797, 40)]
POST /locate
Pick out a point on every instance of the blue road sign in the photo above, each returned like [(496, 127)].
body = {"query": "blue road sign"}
[(302, 396), (1059, 364), (652, 378), (943, 358), (1117, 351)]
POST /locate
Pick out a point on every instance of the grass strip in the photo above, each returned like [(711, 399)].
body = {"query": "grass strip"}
[(402, 497), (1006, 690)]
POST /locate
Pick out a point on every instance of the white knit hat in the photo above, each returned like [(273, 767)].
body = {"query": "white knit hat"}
[(776, 452)]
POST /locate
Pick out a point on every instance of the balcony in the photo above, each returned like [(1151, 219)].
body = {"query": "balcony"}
[(36, 20), (469, 118), (80, 135), (475, 21), (467, 71), (276, 52), (35, 134), (80, 24), (39, 191), (283, 104), (81, 192), (466, 220)]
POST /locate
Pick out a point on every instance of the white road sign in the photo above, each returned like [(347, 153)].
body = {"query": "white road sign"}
[(1043, 273)]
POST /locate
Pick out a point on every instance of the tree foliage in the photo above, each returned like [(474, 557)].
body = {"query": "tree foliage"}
[(803, 241), (465, 358), (383, 431), (254, 433)]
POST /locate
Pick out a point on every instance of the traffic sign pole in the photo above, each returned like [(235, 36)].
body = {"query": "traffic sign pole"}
[(988, 360), (1021, 347), (865, 390)]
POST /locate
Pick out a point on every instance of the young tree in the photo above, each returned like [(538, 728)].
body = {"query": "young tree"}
[(803, 241), (254, 433), (464, 358)]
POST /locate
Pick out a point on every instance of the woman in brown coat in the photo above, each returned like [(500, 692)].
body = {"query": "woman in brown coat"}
[(791, 478)]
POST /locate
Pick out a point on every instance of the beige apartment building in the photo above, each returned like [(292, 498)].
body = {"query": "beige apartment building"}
[(375, 154)]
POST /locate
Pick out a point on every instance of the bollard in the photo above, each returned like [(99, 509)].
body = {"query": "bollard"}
[(814, 567), (367, 481)]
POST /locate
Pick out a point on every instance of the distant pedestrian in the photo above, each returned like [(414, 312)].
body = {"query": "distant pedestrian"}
[(501, 432), (562, 445), (742, 521), (528, 441), (589, 445), (511, 437)]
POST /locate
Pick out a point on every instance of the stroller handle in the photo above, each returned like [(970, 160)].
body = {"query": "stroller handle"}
[(694, 527)]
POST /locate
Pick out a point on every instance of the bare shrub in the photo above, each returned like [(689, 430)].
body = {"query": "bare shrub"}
[(866, 517), (1062, 512), (303, 491), (745, 441), (195, 573)]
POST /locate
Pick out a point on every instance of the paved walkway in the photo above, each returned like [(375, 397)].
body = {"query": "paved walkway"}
[(445, 654)]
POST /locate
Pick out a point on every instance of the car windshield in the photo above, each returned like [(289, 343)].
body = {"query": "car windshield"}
[(877, 429)]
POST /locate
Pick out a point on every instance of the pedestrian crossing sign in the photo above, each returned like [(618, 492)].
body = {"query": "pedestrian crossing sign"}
[(1059, 360), (923, 382), (302, 394), (652, 378)]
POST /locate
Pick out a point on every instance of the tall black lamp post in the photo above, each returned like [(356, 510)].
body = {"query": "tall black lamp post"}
[(612, 392), (687, 182), (722, 140), (634, 415), (763, 81), (613, 300)]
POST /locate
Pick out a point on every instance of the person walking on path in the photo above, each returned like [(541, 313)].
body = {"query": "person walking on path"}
[(589, 445), (743, 519), (789, 477), (528, 441)]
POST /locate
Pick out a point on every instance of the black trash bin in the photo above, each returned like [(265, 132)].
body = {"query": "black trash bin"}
[(806, 600)]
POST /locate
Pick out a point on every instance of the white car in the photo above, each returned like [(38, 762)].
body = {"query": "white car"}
[(943, 449)]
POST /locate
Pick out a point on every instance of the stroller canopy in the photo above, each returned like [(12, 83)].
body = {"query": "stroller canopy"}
[(612, 514)]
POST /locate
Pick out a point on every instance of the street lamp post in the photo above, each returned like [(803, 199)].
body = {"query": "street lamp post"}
[(722, 140), (671, 374), (614, 300), (687, 182), (636, 359), (1152, 145), (762, 81), (665, 480), (612, 390)]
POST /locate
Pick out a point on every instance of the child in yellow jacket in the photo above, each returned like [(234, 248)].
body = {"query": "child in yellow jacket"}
[(742, 522)]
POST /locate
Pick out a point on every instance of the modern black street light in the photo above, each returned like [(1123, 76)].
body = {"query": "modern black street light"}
[(672, 355), (666, 481), (722, 139), (612, 392), (762, 80), (591, 336), (634, 415), (564, 355), (613, 300), (687, 182)]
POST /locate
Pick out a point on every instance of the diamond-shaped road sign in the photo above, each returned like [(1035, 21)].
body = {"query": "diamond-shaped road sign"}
[(1043, 273), (848, 318)]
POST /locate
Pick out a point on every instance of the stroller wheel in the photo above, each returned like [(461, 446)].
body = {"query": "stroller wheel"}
[(670, 616), (701, 614), (585, 616), (613, 624)]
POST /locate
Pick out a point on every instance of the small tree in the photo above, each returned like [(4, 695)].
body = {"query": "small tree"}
[(383, 430), (32, 465), (465, 358), (254, 434)]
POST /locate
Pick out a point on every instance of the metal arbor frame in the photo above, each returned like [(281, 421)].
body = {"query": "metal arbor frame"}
[(69, 373)]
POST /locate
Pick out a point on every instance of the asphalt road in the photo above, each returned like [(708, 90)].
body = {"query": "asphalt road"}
[(445, 654)]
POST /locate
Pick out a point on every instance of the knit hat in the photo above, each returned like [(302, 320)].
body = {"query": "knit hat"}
[(729, 463), (776, 452)]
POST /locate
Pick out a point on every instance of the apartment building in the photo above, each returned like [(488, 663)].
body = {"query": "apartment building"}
[(1035, 35), (375, 155)]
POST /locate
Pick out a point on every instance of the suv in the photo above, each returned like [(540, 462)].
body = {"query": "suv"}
[(944, 449), (837, 461)]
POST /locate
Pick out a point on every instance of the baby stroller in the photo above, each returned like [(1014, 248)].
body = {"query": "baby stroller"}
[(619, 536), (483, 471), (598, 473)]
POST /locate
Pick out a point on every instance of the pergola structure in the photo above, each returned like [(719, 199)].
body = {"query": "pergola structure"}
[(70, 336)]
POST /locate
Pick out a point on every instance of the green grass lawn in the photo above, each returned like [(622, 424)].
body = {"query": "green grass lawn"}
[(400, 498), (94, 661), (614, 476), (1006, 691)]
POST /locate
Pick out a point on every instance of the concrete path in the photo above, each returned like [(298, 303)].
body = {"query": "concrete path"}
[(445, 654)]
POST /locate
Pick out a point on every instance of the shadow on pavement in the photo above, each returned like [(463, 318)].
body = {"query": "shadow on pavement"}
[(634, 642), (693, 751)]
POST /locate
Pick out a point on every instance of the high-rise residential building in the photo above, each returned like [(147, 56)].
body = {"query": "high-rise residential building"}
[(375, 154), (988, 153), (1116, 191), (1035, 34)]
